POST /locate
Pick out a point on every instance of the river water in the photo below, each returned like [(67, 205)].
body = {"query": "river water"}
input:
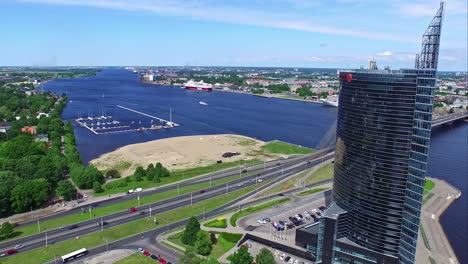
[(258, 117)]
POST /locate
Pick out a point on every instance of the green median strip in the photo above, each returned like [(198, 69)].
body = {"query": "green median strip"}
[(251, 210), (125, 230), (217, 223), (136, 257), (98, 212), (122, 185), (311, 191)]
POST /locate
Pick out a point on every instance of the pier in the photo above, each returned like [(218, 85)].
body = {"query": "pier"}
[(170, 123)]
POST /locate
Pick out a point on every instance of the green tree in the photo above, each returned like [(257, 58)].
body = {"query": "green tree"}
[(189, 236), (97, 187), (8, 181), (151, 172), (241, 257), (265, 257), (29, 194), (203, 244), (139, 173), (6, 230), (189, 257), (65, 190)]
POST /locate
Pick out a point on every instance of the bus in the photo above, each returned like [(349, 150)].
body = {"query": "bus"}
[(74, 255)]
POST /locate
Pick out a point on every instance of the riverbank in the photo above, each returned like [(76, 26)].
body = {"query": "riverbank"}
[(184, 152), (277, 96), (433, 246)]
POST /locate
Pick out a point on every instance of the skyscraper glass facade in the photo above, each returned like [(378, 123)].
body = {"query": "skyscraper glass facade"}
[(383, 133)]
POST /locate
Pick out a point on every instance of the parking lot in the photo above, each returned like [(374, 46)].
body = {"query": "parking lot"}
[(255, 247), (282, 213)]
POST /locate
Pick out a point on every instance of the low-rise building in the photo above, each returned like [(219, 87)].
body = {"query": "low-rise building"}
[(5, 126)]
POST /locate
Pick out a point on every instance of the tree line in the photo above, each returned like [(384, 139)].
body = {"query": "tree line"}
[(31, 173)]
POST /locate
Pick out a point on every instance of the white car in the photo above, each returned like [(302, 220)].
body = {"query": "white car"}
[(138, 189), (259, 180), (141, 250), (291, 261), (130, 191), (296, 262), (282, 256), (19, 246)]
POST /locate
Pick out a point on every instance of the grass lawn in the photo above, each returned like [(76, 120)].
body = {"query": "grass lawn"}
[(285, 148), (428, 185), (311, 191), (217, 223), (251, 210), (136, 258), (75, 218), (323, 173), (115, 233), (289, 183), (225, 242), (121, 185)]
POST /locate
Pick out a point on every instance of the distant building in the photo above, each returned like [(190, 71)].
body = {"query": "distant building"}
[(42, 138), (5, 126), (29, 129), (257, 81)]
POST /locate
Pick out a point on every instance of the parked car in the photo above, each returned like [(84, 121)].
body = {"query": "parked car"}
[(138, 189), (286, 259), (141, 250), (154, 257), (282, 256), (163, 261), (291, 261), (322, 208), (146, 253), (132, 210), (130, 191)]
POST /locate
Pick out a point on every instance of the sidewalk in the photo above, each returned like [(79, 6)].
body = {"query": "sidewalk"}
[(432, 241)]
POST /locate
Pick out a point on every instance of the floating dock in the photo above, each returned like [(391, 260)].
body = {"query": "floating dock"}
[(169, 123)]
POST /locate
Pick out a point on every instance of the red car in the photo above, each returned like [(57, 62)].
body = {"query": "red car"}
[(132, 210), (161, 260), (146, 253), (11, 251)]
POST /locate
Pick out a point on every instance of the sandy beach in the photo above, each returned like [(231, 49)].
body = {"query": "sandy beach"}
[(183, 152)]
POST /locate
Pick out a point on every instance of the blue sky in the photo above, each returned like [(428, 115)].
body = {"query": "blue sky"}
[(292, 33)]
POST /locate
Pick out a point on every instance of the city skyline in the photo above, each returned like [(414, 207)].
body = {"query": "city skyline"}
[(276, 33)]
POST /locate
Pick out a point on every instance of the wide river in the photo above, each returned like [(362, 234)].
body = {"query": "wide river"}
[(263, 118)]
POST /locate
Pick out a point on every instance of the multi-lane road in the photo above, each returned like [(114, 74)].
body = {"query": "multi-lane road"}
[(273, 170)]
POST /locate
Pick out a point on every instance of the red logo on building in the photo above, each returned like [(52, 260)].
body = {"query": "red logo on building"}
[(347, 76)]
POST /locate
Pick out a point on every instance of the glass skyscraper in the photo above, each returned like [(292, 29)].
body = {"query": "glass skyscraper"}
[(383, 132)]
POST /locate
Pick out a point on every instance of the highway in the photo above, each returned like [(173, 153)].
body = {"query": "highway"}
[(290, 167), (212, 176), (149, 236)]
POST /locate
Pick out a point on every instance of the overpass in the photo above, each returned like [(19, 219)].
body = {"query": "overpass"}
[(448, 119)]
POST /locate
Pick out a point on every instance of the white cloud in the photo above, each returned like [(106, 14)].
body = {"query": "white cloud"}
[(201, 10)]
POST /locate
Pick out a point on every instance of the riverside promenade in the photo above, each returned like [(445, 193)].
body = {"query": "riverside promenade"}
[(433, 245)]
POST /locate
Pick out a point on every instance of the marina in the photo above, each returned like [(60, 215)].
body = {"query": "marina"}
[(105, 125)]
